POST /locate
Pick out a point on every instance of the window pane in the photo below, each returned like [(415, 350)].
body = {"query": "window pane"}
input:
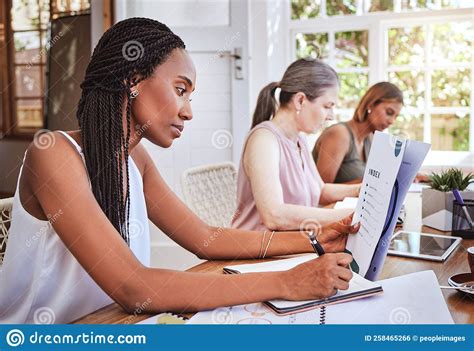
[(29, 113), (450, 132), (408, 125), (28, 81), (25, 14), (27, 47), (381, 5), (415, 4), (435, 4), (454, 4), (341, 7), (412, 84), (352, 49), (452, 42), (44, 14), (451, 87), (312, 45), (70, 5), (353, 87), (406, 46), (304, 9)]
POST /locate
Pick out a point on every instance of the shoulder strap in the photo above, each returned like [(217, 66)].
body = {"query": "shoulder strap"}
[(367, 146), (352, 146), (72, 141), (76, 145)]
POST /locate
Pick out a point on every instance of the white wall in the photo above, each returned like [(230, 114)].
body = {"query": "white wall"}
[(269, 51), (97, 21)]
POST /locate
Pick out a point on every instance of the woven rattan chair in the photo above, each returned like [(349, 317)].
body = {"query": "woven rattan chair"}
[(211, 192), (5, 219)]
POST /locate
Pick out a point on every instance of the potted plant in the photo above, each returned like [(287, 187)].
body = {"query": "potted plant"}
[(437, 200)]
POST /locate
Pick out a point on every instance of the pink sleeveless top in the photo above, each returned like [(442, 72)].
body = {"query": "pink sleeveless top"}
[(300, 185)]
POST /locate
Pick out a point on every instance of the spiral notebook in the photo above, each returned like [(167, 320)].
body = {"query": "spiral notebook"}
[(359, 287), (400, 303)]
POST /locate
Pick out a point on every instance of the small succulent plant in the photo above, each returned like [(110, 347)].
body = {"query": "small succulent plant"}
[(451, 179)]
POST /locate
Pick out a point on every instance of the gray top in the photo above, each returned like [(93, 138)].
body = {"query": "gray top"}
[(352, 166)]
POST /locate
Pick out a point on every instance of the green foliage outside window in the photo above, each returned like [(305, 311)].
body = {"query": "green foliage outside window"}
[(451, 85)]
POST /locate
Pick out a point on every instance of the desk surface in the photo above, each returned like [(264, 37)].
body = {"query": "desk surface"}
[(460, 305)]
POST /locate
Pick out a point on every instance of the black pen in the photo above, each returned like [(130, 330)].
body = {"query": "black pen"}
[(317, 247), (315, 244)]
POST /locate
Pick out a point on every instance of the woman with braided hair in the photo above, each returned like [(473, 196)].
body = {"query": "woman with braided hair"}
[(79, 236)]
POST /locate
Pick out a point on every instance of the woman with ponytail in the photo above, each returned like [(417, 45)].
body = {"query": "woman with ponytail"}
[(79, 236), (278, 186)]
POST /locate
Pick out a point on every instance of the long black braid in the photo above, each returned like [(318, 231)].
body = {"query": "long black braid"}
[(126, 54)]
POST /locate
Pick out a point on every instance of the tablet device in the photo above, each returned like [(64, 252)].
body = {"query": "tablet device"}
[(422, 245)]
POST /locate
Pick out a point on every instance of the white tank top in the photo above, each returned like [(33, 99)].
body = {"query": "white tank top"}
[(41, 281)]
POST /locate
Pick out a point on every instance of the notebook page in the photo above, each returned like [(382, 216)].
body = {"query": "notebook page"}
[(356, 284), (273, 266)]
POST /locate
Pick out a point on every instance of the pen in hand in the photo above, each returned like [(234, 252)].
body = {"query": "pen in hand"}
[(315, 244), (317, 247)]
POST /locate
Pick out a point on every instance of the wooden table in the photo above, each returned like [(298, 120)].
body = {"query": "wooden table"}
[(460, 305)]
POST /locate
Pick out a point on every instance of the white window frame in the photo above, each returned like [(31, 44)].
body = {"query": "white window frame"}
[(377, 24)]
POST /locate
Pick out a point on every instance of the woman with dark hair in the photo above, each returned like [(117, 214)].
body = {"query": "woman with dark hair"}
[(79, 236), (341, 151), (278, 185)]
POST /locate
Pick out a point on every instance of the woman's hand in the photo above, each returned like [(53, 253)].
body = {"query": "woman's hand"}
[(318, 278), (333, 237), (357, 189)]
